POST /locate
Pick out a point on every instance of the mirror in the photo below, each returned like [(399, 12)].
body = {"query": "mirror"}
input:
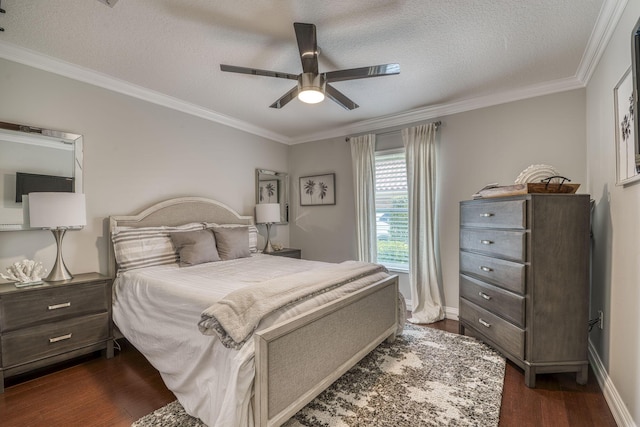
[(36, 151), (635, 67), (273, 187)]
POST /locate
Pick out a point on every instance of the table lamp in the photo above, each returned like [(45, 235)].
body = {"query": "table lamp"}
[(268, 213), (57, 212)]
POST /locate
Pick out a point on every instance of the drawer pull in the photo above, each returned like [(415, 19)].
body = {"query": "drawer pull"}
[(60, 338), (483, 323), (487, 269), (486, 242), (57, 306), (485, 296), (486, 215)]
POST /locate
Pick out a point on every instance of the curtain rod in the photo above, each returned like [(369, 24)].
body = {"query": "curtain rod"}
[(438, 123)]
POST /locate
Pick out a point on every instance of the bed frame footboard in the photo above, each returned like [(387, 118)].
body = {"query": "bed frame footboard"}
[(297, 360)]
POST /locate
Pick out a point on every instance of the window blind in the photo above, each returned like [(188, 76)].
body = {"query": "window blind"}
[(392, 210)]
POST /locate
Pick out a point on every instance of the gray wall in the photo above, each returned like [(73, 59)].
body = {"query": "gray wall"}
[(474, 148), (615, 287), (135, 154)]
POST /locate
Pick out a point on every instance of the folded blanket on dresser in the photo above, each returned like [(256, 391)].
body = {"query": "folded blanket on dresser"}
[(234, 318)]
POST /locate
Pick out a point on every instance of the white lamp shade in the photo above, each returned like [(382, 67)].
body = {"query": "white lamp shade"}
[(267, 213), (53, 210)]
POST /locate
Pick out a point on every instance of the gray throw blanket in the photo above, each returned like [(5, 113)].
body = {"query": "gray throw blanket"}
[(235, 317)]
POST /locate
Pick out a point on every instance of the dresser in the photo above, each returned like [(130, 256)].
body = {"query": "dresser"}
[(53, 322), (524, 279)]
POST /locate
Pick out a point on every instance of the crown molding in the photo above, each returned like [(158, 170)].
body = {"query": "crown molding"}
[(606, 23), (437, 111), (37, 60)]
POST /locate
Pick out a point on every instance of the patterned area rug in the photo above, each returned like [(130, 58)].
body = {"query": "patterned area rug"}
[(426, 378)]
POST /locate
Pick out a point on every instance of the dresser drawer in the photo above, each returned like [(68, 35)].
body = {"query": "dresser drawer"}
[(29, 344), (504, 244), (506, 274), (504, 214), (505, 304), (51, 304), (501, 332)]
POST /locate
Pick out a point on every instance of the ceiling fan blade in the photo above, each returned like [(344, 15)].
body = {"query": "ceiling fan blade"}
[(308, 46), (363, 72), (284, 99), (257, 72), (340, 98)]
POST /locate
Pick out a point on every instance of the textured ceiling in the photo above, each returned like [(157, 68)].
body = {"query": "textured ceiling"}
[(449, 51)]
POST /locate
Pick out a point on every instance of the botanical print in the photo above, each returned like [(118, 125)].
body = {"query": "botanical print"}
[(268, 191), (317, 190), (625, 139)]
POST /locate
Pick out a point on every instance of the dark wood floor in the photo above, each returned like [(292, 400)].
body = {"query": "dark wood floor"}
[(97, 392)]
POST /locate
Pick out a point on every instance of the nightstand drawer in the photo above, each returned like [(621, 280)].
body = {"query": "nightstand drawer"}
[(508, 336), (504, 244), (506, 274), (504, 214), (498, 301), (46, 305), (30, 344)]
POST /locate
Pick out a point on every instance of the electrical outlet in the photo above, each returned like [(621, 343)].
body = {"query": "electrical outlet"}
[(600, 319)]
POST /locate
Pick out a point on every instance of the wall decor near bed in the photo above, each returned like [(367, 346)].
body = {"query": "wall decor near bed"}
[(35, 159), (268, 191), (635, 71), (318, 190), (273, 187)]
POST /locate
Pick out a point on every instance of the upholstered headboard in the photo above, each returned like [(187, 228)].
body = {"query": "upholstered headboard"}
[(174, 212)]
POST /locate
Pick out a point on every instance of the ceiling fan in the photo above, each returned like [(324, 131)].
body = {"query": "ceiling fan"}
[(312, 85)]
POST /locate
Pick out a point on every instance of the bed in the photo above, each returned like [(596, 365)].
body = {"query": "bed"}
[(289, 358)]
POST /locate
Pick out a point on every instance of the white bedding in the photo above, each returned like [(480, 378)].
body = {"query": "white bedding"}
[(158, 309)]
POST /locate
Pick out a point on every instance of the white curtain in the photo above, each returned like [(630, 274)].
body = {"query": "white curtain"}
[(363, 160), (424, 278)]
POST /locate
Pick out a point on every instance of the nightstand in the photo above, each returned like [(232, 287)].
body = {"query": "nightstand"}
[(288, 252), (53, 322)]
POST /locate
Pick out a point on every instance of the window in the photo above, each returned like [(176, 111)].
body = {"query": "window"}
[(392, 210)]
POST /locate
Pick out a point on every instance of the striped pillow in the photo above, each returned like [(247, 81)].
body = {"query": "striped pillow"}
[(146, 246), (253, 233)]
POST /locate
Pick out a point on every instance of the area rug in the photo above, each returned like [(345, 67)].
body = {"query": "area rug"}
[(426, 377)]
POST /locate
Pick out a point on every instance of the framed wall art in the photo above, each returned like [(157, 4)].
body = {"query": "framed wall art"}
[(268, 191), (317, 190), (627, 122), (626, 152)]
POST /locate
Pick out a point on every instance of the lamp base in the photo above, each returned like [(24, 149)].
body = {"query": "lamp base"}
[(267, 247), (59, 271)]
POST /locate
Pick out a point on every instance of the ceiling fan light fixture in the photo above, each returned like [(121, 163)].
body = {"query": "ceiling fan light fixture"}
[(311, 88), (311, 96)]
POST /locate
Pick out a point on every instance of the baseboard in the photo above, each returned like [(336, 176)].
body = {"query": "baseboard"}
[(449, 312), (616, 404)]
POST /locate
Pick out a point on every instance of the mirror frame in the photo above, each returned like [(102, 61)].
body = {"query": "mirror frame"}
[(635, 70), (283, 190), (17, 131)]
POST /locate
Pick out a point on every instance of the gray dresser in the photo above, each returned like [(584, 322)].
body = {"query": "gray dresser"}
[(524, 279)]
